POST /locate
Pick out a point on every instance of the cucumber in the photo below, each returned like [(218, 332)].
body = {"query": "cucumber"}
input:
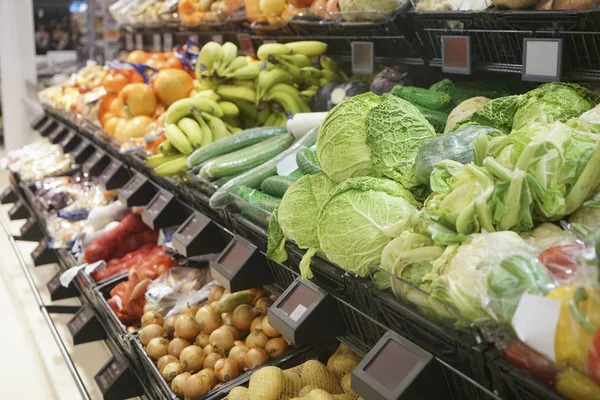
[(276, 185), (437, 119), (256, 215), (297, 174), (230, 301), (431, 99), (245, 159), (255, 176), (221, 181), (231, 143), (257, 198), (308, 162)]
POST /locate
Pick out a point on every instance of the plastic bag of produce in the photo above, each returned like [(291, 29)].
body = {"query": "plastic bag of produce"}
[(180, 285)]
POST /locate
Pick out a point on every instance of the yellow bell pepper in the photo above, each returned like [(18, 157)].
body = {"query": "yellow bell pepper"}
[(577, 386), (579, 314)]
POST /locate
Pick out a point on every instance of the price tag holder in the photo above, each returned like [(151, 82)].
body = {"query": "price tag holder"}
[(40, 121), (395, 369), (18, 211), (129, 42), (363, 58), (456, 55), (85, 326), (117, 381), (163, 211), (305, 313), (241, 266), (542, 60), (58, 291), (199, 235), (8, 196), (156, 45), (70, 142), (139, 41), (167, 41), (96, 163), (58, 134), (30, 231), (83, 151), (48, 127), (247, 47), (114, 176), (43, 254), (138, 191)]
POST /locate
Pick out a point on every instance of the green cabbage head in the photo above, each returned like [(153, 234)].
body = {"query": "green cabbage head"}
[(360, 218), (342, 147)]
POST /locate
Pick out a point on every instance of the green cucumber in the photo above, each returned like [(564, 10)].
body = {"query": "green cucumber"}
[(245, 159), (257, 198), (297, 174), (222, 197), (308, 162), (276, 185), (231, 143), (221, 181)]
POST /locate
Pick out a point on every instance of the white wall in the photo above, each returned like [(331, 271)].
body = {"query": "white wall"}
[(17, 69)]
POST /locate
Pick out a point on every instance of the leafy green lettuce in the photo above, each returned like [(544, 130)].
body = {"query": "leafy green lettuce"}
[(395, 131), (360, 218)]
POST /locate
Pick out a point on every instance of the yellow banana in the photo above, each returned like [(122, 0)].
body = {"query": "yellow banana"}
[(244, 83), (173, 167), (192, 130), (297, 59), (229, 54), (248, 72), (307, 47), (232, 129), (288, 102), (323, 81), (209, 94), (272, 48), (232, 93), (229, 109), (218, 127), (211, 55), (204, 83), (309, 93), (284, 88), (232, 121), (328, 63), (331, 76), (207, 136), (159, 159), (262, 116), (247, 109), (167, 148), (272, 119), (267, 79), (293, 70), (310, 73), (178, 139), (182, 108)]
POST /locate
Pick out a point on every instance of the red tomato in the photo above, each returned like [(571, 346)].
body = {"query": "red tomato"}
[(560, 260), (593, 361)]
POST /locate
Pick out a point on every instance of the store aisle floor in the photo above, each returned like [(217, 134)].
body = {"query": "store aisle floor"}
[(33, 367)]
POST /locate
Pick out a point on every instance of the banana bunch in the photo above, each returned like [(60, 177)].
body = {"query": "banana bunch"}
[(191, 123)]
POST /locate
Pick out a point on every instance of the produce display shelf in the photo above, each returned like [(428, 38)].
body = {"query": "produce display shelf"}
[(367, 312)]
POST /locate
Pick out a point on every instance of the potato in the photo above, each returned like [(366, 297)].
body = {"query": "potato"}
[(315, 373), (239, 393), (341, 364)]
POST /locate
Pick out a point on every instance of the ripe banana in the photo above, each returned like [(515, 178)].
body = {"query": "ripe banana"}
[(244, 83), (173, 167), (178, 139), (207, 136), (328, 63), (310, 74), (267, 79), (204, 83), (209, 94), (262, 116), (182, 108), (287, 101), (237, 63), (159, 159), (167, 148), (272, 119), (272, 48), (232, 129), (229, 54), (307, 47), (192, 130), (284, 88), (299, 60), (293, 70), (209, 58), (218, 127), (229, 109), (232, 93), (281, 119), (323, 81), (248, 72), (309, 93)]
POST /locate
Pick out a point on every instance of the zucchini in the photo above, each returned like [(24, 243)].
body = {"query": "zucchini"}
[(308, 162), (245, 159), (257, 198), (222, 197), (430, 99), (437, 119), (297, 174), (231, 143), (276, 185)]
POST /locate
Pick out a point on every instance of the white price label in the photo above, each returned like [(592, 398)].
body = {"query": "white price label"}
[(287, 165), (97, 266), (156, 42), (139, 41), (129, 42), (67, 277), (167, 41), (298, 312), (542, 60), (363, 56)]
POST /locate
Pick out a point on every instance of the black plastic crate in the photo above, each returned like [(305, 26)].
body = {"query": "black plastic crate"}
[(462, 387), (282, 275)]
